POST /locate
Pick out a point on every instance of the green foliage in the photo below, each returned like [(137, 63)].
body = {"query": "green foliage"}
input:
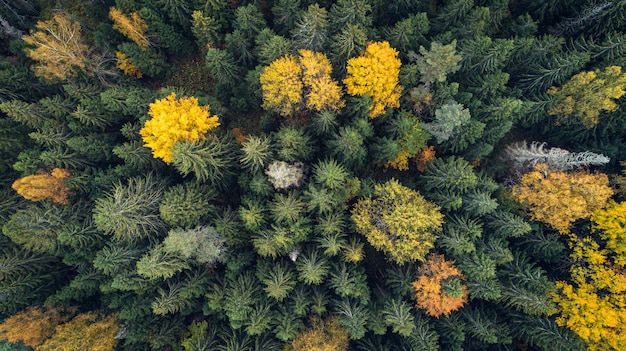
[(202, 244), (293, 144), (453, 174), (256, 153), (186, 205), (311, 30), (448, 119), (210, 160), (436, 64)]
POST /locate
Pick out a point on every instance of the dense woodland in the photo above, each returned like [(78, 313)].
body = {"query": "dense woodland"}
[(306, 175)]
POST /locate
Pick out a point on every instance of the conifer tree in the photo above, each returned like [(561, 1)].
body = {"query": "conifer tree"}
[(43, 186), (133, 27), (311, 30)]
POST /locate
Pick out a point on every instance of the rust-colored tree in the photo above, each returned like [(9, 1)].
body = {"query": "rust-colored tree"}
[(323, 335), (86, 332), (439, 289), (33, 326), (560, 198), (44, 186), (133, 27)]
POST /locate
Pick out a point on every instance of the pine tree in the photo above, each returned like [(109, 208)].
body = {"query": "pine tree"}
[(160, 263), (210, 160), (311, 30), (186, 205)]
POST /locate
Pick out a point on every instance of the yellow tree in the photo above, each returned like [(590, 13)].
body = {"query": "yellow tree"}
[(593, 303), (375, 73), (133, 27), (32, 327), (59, 48), (85, 332), (611, 223), (291, 83), (125, 64), (44, 186), (398, 221), (175, 120), (560, 198), (586, 94), (323, 335), (438, 288)]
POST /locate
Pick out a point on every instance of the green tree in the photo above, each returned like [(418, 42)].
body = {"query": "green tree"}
[(398, 221), (211, 160), (311, 30), (435, 64), (202, 244), (186, 205)]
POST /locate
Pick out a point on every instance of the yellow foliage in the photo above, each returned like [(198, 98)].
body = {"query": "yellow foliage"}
[(85, 332), (323, 335), (560, 198), (588, 93), (428, 290), (401, 162), (125, 64), (59, 48), (375, 73), (174, 120), (31, 327), (611, 223), (291, 83), (398, 221), (134, 28), (44, 186), (593, 303)]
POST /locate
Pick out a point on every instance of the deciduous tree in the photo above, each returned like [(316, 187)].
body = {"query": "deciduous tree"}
[(559, 198), (44, 186), (375, 73), (133, 27), (322, 335), (87, 331), (398, 221), (32, 326), (438, 288), (175, 120)]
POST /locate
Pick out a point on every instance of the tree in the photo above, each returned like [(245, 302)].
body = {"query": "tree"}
[(291, 83), (438, 288), (588, 93), (375, 73), (559, 198), (202, 244), (322, 335), (210, 160), (44, 186), (435, 64), (134, 28), (398, 221), (611, 223), (448, 120), (175, 120), (87, 331), (186, 205), (555, 158), (311, 31), (256, 152), (32, 326), (125, 64)]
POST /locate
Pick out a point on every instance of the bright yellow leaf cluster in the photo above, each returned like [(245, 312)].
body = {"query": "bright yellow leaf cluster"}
[(133, 27), (32, 327), (59, 48), (375, 73), (175, 120), (429, 294), (399, 221), (588, 93), (44, 186), (323, 335), (125, 64), (292, 83), (85, 332), (611, 223), (560, 198), (593, 304)]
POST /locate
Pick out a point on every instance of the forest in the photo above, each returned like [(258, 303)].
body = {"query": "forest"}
[(312, 175)]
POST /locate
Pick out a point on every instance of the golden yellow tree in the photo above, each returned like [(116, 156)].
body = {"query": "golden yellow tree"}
[(174, 120), (85, 332), (438, 288), (291, 83), (376, 73), (399, 221), (32, 327), (323, 335), (59, 48), (560, 198), (125, 64), (44, 186), (133, 27), (593, 303), (611, 225)]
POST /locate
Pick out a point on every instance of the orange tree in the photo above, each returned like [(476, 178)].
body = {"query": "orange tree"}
[(87, 332), (323, 335), (291, 83), (560, 198), (375, 73), (438, 288), (44, 186), (32, 327), (133, 27), (175, 120), (399, 221)]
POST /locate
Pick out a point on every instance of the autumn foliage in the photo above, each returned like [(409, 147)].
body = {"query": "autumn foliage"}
[(438, 288), (323, 335), (59, 48), (399, 221), (32, 327), (375, 73), (560, 198), (85, 332), (293, 83), (44, 186), (174, 120), (133, 27), (586, 94), (125, 64)]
